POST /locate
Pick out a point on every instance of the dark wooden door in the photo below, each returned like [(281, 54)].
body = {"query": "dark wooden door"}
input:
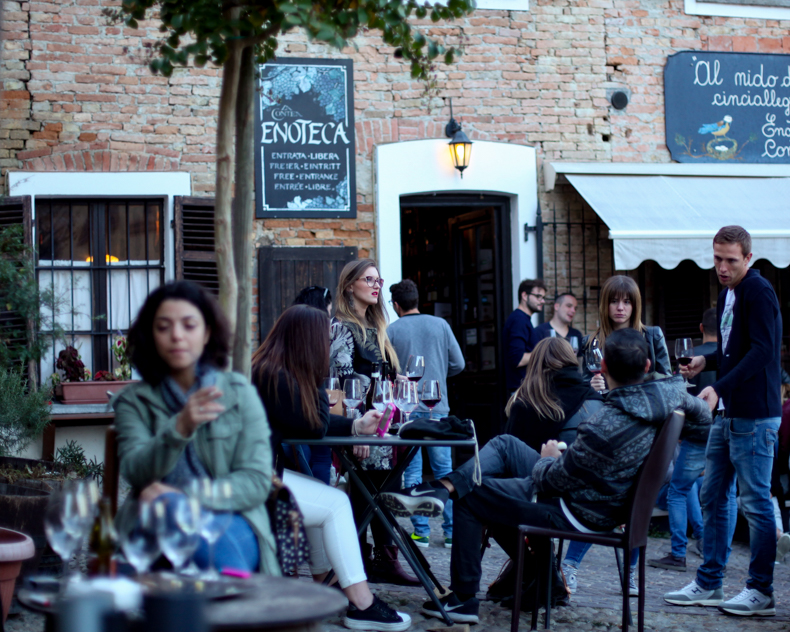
[(284, 271)]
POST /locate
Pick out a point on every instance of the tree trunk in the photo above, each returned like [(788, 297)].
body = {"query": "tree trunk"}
[(223, 239), (243, 211)]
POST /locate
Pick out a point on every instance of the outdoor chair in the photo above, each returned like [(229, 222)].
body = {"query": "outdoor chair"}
[(641, 501)]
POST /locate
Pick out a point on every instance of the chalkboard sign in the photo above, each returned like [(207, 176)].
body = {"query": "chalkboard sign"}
[(304, 139), (728, 107)]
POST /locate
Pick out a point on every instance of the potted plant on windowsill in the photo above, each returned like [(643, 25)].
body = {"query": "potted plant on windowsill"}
[(76, 385)]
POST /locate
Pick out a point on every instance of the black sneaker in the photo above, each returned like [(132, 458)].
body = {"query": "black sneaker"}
[(378, 616), (422, 500), (459, 611), (670, 562)]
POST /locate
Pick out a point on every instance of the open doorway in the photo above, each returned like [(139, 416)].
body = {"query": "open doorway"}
[(456, 248)]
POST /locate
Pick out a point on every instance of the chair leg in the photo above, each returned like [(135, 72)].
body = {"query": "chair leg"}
[(549, 562), (519, 581), (640, 617), (624, 584)]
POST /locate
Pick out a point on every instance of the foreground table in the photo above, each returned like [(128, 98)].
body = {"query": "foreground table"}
[(343, 446)]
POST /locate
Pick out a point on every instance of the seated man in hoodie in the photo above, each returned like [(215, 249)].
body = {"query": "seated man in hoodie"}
[(584, 488)]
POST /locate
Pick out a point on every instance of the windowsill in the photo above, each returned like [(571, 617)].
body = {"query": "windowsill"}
[(692, 7)]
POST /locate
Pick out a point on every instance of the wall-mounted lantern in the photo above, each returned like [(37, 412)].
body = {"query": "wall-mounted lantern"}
[(460, 145)]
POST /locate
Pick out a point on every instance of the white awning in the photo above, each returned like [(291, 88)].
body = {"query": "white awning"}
[(668, 219)]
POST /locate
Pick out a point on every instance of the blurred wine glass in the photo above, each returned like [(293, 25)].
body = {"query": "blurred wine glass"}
[(215, 498), (177, 519), (574, 340), (406, 398), (352, 395), (141, 545), (593, 359), (431, 395), (332, 388), (382, 395), (684, 352), (415, 368), (63, 539)]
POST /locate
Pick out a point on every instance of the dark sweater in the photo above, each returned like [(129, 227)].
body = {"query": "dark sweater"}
[(524, 421), (518, 341), (749, 368), (287, 419)]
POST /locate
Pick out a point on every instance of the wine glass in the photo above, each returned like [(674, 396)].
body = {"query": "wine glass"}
[(593, 358), (684, 352), (431, 395), (574, 341), (141, 545), (62, 540), (382, 395), (332, 388), (215, 515), (415, 368), (177, 520), (406, 398), (352, 395)]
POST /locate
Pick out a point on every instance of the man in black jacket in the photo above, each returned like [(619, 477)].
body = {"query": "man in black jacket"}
[(743, 436), (586, 486)]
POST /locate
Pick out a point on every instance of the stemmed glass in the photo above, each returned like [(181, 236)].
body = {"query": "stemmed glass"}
[(415, 368), (141, 545), (215, 515), (177, 528), (684, 352), (406, 398), (382, 395), (431, 395), (593, 358), (63, 534), (574, 341), (352, 395), (332, 388)]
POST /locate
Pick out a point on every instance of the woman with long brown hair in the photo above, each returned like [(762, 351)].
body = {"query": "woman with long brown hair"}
[(288, 369), (553, 391), (359, 340), (619, 307)]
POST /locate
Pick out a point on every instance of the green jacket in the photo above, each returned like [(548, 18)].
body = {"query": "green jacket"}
[(235, 447)]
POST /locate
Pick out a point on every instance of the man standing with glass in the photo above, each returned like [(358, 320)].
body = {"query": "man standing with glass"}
[(560, 324), (743, 436), (518, 331), (416, 334)]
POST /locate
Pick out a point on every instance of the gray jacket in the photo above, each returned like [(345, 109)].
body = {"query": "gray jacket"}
[(595, 473)]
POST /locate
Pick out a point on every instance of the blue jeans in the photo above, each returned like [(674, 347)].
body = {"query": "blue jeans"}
[(442, 464), (577, 550), (743, 448), (682, 499)]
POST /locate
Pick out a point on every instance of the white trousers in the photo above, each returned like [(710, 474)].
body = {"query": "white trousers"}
[(330, 528)]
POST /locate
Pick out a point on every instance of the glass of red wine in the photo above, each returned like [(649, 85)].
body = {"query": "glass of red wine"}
[(431, 395), (415, 368), (684, 352), (593, 358)]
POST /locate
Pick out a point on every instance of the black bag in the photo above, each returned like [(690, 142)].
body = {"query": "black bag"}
[(446, 428), (287, 523), (503, 588)]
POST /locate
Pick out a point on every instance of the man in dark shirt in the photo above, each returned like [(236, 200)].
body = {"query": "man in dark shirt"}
[(518, 331), (560, 323), (743, 437)]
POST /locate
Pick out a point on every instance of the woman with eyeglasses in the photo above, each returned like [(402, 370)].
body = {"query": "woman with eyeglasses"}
[(359, 340)]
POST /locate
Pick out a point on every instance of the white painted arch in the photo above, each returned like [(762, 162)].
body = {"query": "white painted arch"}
[(425, 167)]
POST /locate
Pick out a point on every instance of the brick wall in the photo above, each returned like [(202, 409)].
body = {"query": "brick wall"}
[(77, 95)]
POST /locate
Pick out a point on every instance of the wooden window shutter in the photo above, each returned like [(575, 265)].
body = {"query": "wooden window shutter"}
[(14, 211), (284, 271), (194, 241)]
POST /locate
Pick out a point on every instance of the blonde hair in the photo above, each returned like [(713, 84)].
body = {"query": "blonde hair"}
[(375, 315), (616, 288), (549, 356)]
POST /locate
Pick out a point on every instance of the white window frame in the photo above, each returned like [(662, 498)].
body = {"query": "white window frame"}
[(504, 5), (692, 7)]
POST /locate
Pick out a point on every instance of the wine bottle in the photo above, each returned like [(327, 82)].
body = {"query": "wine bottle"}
[(104, 539), (375, 377)]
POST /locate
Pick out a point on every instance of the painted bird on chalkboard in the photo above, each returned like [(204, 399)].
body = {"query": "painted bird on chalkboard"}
[(717, 129)]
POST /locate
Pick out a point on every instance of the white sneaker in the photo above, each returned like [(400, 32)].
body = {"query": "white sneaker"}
[(569, 571), (782, 547), (633, 586), (750, 602), (694, 595)]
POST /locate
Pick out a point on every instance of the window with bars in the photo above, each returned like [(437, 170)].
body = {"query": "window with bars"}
[(101, 258)]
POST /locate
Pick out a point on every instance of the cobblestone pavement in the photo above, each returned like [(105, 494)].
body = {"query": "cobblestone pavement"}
[(596, 606)]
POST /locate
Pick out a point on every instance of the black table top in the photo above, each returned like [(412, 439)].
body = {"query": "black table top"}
[(388, 440)]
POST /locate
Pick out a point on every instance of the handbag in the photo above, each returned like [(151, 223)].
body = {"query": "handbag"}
[(287, 523)]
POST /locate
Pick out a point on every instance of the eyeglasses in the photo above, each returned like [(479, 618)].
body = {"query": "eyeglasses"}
[(372, 281), (540, 297)]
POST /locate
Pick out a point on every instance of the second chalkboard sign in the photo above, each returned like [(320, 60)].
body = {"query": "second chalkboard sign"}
[(728, 107), (305, 158)]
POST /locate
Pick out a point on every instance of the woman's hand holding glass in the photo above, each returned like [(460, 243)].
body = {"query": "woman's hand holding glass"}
[(201, 408), (593, 358)]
